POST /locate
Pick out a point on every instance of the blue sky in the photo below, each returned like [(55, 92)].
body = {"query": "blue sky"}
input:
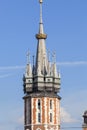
[(65, 23)]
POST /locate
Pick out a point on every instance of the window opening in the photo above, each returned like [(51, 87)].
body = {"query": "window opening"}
[(50, 104), (50, 117), (39, 104), (39, 117)]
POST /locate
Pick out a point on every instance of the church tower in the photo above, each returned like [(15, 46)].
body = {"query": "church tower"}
[(85, 121), (41, 83)]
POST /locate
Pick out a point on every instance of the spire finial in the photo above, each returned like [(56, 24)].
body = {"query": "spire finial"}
[(41, 1), (41, 34)]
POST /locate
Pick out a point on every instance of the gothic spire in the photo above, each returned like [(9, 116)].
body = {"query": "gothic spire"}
[(41, 34), (41, 56)]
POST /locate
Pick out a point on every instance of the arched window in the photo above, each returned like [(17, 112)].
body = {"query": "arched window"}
[(39, 110), (51, 104), (39, 117), (51, 118), (39, 104)]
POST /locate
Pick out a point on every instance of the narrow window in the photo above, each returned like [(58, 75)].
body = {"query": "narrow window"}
[(39, 117), (48, 80), (39, 104), (29, 81), (50, 117), (50, 104)]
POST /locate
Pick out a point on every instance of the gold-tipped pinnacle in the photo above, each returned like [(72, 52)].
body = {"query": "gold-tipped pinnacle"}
[(41, 1)]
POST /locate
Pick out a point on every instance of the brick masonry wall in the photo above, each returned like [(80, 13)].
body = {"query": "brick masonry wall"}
[(45, 113), (84, 128)]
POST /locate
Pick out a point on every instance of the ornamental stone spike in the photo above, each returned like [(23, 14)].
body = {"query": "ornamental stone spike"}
[(28, 57)]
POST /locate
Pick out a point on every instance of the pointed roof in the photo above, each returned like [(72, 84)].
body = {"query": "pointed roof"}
[(41, 56)]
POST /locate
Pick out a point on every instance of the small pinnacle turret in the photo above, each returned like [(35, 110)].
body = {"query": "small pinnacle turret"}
[(28, 68)]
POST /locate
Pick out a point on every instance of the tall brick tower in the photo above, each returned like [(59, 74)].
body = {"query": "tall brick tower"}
[(85, 121), (41, 87)]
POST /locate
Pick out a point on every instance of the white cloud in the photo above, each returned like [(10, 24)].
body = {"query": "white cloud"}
[(68, 63), (5, 75), (19, 128), (21, 120), (11, 67), (74, 63), (66, 117), (20, 123)]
